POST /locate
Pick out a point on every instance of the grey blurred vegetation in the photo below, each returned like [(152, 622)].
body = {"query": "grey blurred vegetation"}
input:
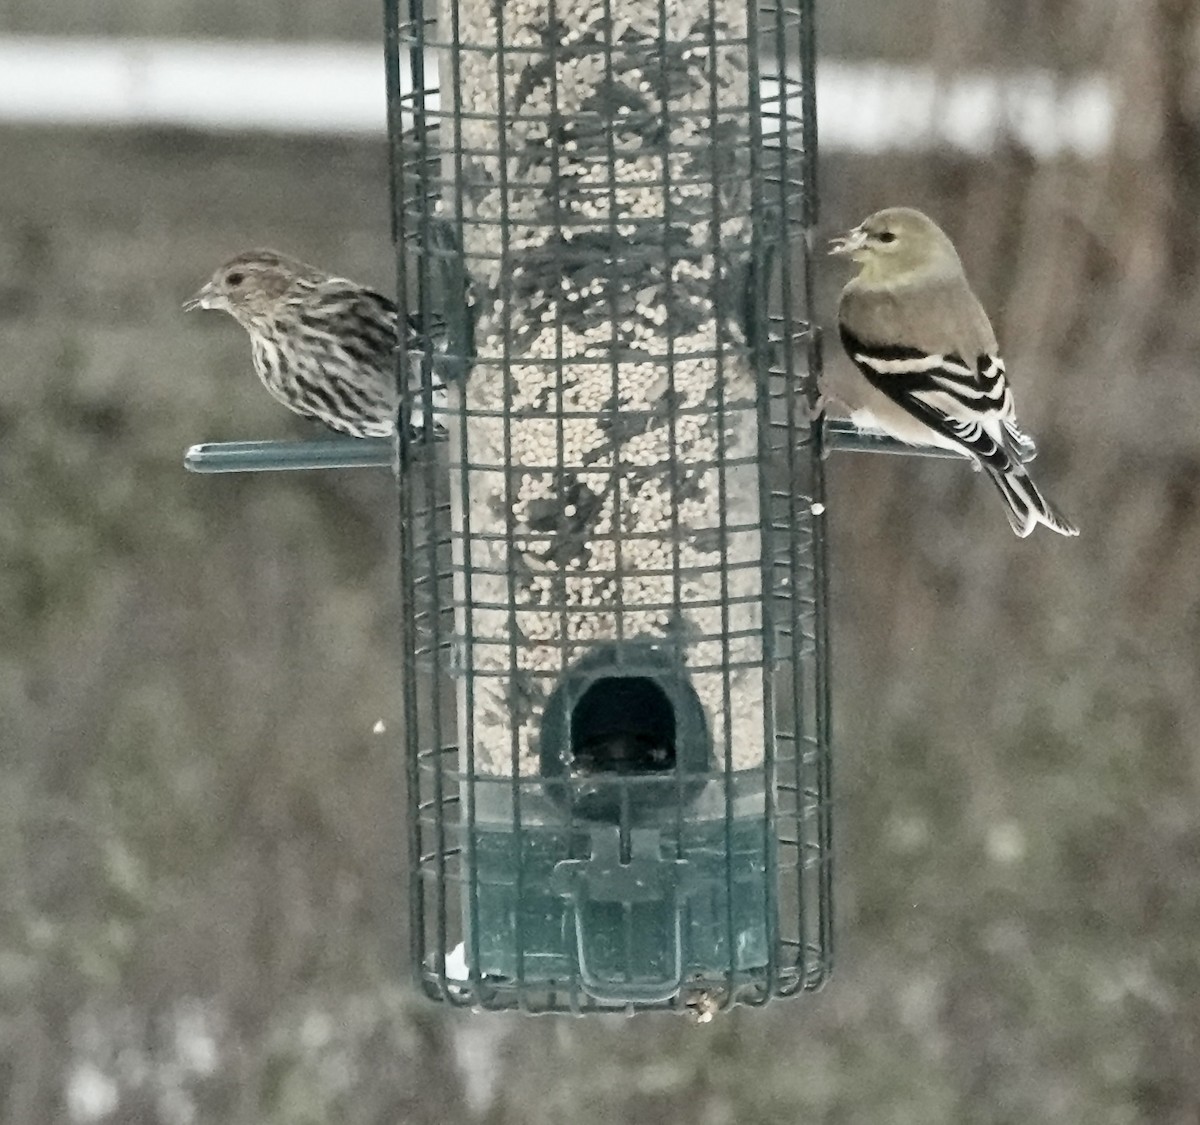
[(201, 839)]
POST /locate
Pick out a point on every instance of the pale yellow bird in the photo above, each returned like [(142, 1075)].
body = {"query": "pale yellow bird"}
[(920, 337)]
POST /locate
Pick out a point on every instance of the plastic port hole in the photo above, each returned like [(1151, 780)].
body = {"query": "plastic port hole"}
[(623, 724)]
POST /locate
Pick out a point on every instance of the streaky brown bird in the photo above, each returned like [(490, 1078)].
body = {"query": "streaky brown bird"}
[(323, 345)]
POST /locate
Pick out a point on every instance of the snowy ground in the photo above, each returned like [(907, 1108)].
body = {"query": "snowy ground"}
[(338, 88), (192, 1046)]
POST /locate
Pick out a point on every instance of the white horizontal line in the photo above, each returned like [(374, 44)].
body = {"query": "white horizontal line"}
[(323, 88), (338, 88)]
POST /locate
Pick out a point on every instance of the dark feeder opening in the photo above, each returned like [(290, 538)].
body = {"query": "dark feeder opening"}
[(623, 724), (616, 730)]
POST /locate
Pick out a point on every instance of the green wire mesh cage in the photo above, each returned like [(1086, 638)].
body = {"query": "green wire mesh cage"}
[(613, 578)]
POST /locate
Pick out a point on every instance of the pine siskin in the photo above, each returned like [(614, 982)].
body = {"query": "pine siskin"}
[(914, 329), (323, 346)]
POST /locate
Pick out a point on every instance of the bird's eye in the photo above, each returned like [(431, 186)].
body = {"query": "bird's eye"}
[(235, 279), (886, 236)]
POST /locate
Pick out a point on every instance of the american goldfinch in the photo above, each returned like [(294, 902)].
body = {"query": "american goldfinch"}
[(324, 346), (914, 329)]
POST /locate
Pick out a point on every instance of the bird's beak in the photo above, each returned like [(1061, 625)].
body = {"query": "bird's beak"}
[(846, 244), (205, 298)]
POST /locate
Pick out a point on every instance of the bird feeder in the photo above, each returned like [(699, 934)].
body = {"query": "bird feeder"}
[(614, 612), (613, 584)]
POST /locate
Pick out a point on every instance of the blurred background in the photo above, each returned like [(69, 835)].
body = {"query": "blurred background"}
[(201, 917)]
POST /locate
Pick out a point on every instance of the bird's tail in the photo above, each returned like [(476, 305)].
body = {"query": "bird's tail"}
[(1025, 504)]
